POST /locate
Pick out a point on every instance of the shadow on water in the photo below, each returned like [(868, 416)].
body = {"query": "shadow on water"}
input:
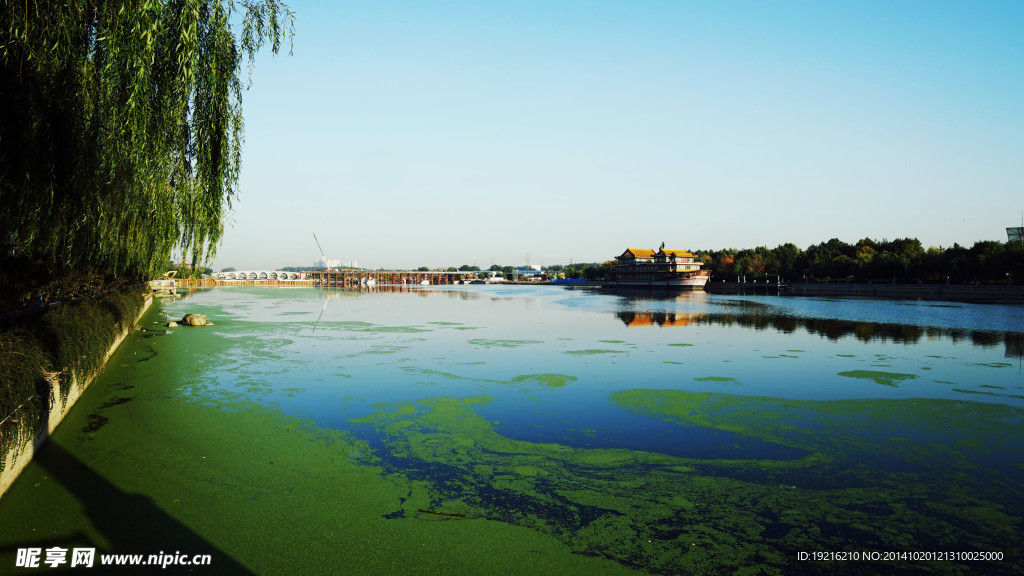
[(832, 329), (132, 524)]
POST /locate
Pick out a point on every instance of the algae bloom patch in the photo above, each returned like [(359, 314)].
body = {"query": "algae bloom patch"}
[(553, 380), (594, 352), (486, 343), (722, 379), (732, 512), (884, 378)]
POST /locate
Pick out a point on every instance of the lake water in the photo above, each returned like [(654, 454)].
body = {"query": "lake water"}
[(471, 429)]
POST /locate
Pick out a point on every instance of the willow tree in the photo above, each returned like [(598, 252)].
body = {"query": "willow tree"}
[(122, 127)]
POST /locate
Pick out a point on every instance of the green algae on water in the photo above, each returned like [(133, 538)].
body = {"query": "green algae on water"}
[(350, 324), (880, 377), (722, 379), (379, 349), (729, 513), (435, 375), (208, 481), (502, 343), (983, 393), (397, 329), (545, 379), (431, 484)]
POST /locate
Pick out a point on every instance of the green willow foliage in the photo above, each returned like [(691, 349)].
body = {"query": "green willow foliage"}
[(122, 127)]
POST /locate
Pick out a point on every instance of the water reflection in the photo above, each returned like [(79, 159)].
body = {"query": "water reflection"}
[(656, 309), (663, 319)]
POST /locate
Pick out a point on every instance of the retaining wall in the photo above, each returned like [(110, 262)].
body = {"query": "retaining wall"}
[(21, 452)]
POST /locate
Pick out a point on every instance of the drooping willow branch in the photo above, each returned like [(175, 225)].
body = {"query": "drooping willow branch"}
[(123, 125)]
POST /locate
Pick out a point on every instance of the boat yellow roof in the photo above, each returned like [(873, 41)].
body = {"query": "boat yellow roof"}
[(640, 252), (646, 253), (677, 253)]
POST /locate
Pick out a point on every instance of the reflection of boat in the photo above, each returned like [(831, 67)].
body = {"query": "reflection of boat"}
[(676, 269), (662, 319)]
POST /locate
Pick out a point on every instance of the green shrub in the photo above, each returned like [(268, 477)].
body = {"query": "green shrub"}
[(24, 393), (78, 336), (73, 339)]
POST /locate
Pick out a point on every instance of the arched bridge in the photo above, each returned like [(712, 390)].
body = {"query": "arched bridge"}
[(259, 275)]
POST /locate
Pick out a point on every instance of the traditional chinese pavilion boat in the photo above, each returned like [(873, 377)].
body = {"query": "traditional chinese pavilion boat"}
[(674, 269)]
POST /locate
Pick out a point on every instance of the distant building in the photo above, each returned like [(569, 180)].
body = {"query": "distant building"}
[(531, 274), (329, 263)]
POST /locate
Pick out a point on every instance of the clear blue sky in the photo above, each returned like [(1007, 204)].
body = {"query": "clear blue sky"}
[(413, 134)]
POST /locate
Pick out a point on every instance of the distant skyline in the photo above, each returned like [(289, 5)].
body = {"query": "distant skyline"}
[(409, 134)]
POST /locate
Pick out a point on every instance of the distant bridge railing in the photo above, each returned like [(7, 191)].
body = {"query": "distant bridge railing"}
[(259, 275), (347, 277)]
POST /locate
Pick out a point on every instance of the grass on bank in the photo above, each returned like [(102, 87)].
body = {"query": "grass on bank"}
[(71, 340)]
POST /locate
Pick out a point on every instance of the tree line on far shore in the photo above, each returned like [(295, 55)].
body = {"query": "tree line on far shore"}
[(903, 260)]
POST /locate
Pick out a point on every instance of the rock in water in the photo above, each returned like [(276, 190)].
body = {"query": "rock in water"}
[(194, 320), (172, 324)]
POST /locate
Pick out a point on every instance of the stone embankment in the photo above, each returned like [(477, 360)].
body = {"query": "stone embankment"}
[(23, 432)]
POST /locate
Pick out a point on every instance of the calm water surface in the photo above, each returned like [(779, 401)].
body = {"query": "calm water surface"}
[(583, 430)]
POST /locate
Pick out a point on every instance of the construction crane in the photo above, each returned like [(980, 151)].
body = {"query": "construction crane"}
[(327, 267)]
